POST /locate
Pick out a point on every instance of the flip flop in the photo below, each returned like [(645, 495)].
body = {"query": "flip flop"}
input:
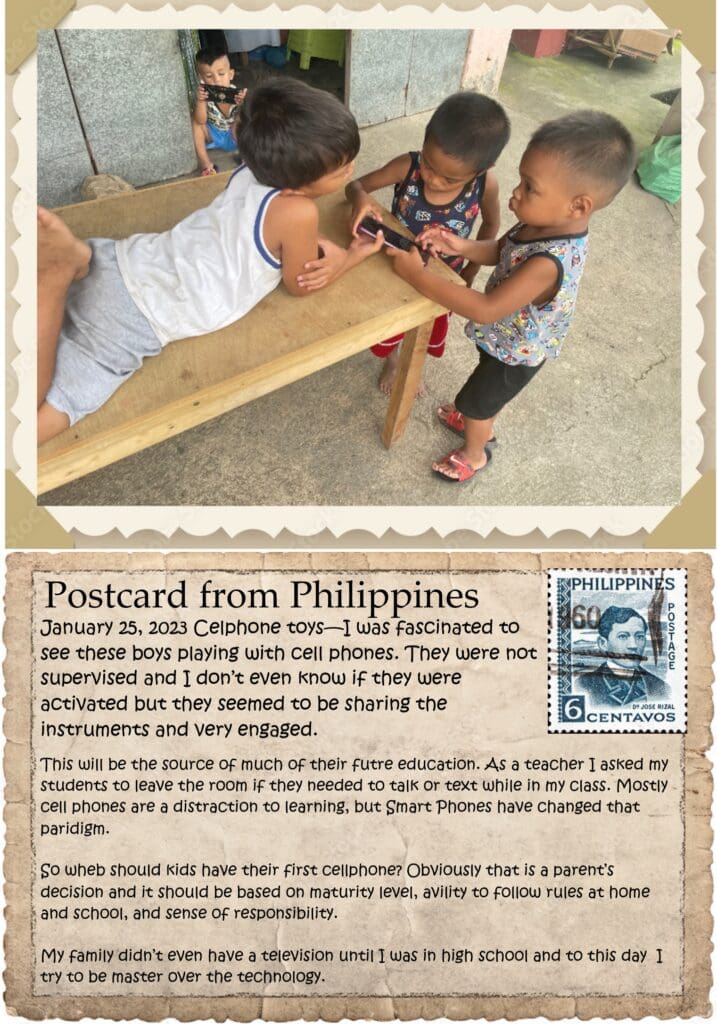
[(456, 461), (453, 419)]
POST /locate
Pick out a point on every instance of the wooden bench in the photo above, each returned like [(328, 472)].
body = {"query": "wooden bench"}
[(280, 341), (645, 43)]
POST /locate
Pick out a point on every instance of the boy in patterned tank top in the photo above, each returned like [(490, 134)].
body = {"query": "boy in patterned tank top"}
[(572, 167), (448, 184)]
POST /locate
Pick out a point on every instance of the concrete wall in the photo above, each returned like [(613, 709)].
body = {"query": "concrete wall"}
[(62, 157), (394, 73), (375, 85), (437, 61), (129, 90)]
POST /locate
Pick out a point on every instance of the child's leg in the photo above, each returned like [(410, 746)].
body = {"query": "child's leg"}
[(61, 259), (103, 336), (437, 340), (50, 422), (389, 350), (477, 435), (201, 138), (453, 419), (489, 388)]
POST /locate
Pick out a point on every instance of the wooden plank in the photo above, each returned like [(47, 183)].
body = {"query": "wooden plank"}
[(646, 44), (595, 44), (279, 341), (410, 366), (101, 449)]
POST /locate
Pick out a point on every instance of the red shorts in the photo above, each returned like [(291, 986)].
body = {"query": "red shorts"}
[(436, 343)]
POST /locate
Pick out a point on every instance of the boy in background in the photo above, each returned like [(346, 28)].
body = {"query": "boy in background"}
[(213, 123)]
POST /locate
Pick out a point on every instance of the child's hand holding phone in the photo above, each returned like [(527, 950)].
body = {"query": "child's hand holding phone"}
[(364, 208), (392, 239)]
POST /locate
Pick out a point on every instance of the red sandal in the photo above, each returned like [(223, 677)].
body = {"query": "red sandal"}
[(454, 420), (456, 461)]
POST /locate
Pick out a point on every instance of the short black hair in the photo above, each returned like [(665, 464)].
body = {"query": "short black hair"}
[(290, 134), (471, 127), (615, 615), (208, 54), (595, 146)]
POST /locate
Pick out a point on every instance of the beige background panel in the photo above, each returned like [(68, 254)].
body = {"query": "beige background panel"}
[(501, 729), (690, 523)]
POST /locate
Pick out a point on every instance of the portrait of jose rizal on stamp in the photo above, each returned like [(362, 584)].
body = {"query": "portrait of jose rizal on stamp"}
[(618, 650)]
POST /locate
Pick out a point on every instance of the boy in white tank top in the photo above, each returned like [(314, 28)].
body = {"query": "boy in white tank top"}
[(104, 306)]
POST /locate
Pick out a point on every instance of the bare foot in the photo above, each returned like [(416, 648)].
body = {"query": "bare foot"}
[(388, 376), (59, 253)]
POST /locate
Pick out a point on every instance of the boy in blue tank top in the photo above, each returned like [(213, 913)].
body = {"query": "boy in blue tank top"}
[(573, 166), (448, 184)]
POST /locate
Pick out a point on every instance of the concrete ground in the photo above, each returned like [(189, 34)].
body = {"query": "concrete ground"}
[(599, 426)]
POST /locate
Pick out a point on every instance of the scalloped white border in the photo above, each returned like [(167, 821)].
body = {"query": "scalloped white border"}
[(305, 521)]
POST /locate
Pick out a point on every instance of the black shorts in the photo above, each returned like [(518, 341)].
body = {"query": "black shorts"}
[(491, 386)]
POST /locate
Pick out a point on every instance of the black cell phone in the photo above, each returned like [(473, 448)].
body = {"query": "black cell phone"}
[(371, 226), (221, 93)]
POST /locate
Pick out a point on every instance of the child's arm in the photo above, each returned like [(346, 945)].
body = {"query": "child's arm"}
[(534, 281), (490, 209), (199, 114), (357, 191), (446, 243), (334, 261), (239, 103), (291, 231), (490, 222)]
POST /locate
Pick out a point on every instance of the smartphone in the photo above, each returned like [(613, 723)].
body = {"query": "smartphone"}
[(371, 226), (221, 93)]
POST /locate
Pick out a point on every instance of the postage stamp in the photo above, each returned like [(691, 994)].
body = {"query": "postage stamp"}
[(617, 650)]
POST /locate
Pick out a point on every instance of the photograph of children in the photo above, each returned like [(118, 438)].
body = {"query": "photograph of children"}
[(553, 372)]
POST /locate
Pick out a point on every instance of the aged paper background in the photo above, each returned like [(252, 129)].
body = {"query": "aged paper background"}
[(501, 710), (692, 521)]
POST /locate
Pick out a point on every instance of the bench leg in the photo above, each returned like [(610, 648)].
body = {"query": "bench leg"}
[(410, 364)]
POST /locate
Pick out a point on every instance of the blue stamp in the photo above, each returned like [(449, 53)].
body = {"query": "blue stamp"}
[(617, 650)]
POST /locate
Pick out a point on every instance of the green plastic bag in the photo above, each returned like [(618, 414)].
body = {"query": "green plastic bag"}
[(660, 168)]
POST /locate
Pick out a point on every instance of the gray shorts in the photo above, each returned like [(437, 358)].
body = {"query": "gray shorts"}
[(103, 340)]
